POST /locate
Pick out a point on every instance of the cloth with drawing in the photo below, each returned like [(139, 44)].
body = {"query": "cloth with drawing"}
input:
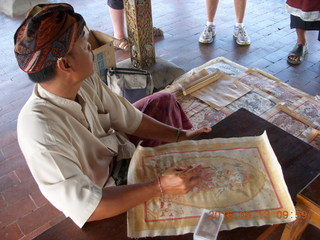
[(241, 176)]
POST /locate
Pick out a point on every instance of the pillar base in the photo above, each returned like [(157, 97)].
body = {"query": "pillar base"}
[(16, 8)]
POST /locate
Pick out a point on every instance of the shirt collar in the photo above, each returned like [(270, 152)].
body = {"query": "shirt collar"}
[(68, 105)]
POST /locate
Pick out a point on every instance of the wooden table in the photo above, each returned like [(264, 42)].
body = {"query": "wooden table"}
[(308, 204), (300, 163)]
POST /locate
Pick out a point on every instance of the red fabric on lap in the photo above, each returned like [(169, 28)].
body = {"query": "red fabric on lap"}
[(164, 108)]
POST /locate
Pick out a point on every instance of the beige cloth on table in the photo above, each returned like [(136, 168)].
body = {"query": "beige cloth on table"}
[(239, 174), (222, 92)]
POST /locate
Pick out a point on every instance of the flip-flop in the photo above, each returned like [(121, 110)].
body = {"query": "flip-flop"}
[(122, 43), (298, 51)]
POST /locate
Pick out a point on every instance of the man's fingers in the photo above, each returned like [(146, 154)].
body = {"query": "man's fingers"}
[(175, 170), (182, 168), (181, 183), (192, 134), (207, 129), (194, 181)]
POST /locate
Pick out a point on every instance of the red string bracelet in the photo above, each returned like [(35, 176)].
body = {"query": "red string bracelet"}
[(159, 184)]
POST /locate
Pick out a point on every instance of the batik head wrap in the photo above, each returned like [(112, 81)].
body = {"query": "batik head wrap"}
[(48, 33)]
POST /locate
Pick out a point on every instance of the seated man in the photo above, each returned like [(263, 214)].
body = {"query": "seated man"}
[(72, 129)]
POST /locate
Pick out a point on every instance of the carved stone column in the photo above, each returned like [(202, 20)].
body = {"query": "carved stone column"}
[(139, 25)]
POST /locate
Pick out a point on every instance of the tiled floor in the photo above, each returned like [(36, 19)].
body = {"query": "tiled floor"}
[(24, 213)]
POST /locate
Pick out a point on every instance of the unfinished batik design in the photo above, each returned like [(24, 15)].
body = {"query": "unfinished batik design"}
[(206, 117), (256, 79), (288, 123), (271, 85), (227, 68), (288, 120), (309, 108), (238, 174), (225, 181), (254, 102), (283, 93), (191, 105)]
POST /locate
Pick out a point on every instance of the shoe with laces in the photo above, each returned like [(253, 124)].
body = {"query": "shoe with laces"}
[(208, 34), (241, 36)]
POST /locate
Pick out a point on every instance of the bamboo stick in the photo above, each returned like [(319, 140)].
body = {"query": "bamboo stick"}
[(202, 82)]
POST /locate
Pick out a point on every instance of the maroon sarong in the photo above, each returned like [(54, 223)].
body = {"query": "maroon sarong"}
[(164, 108)]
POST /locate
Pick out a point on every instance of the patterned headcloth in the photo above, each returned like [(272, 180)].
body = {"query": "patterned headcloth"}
[(48, 33)]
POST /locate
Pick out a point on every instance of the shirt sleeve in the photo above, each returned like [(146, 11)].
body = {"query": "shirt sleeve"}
[(123, 115), (62, 182)]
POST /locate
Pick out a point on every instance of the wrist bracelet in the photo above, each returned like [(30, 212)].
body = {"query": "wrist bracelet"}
[(178, 134), (159, 185)]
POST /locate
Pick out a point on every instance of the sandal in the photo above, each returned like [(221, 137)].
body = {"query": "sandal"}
[(157, 32), (299, 51), (122, 43)]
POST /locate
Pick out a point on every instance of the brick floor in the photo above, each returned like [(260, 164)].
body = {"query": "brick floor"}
[(24, 212)]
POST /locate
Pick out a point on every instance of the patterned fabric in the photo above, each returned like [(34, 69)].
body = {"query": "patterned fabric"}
[(48, 33), (164, 108), (241, 177)]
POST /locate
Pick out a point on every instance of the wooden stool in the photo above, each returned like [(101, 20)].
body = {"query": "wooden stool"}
[(307, 211)]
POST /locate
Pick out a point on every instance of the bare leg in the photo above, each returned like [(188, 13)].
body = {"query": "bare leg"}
[(117, 18), (211, 9), (302, 38), (240, 7)]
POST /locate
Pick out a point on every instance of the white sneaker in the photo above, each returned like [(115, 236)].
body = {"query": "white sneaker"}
[(208, 34), (241, 36)]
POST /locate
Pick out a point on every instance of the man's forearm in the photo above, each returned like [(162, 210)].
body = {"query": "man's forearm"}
[(119, 199), (150, 128)]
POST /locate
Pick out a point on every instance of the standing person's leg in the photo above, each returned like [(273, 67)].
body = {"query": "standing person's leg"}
[(212, 6), (301, 36), (239, 32), (116, 10), (210, 30), (298, 53), (117, 18), (240, 8)]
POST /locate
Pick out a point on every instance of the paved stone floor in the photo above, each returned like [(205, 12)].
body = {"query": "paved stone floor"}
[(24, 212)]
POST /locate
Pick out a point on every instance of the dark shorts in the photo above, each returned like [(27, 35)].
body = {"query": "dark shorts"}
[(296, 22), (116, 4)]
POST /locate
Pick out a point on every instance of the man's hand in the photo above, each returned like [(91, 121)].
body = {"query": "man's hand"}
[(188, 134), (180, 180), (118, 199)]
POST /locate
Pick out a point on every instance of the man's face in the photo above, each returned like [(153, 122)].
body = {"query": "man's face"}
[(82, 57)]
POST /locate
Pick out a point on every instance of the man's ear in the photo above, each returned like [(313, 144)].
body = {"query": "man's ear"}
[(64, 65)]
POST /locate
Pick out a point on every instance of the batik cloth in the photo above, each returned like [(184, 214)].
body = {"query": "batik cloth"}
[(241, 178), (48, 33)]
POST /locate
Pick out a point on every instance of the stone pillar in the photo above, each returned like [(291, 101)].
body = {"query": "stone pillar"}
[(139, 25)]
